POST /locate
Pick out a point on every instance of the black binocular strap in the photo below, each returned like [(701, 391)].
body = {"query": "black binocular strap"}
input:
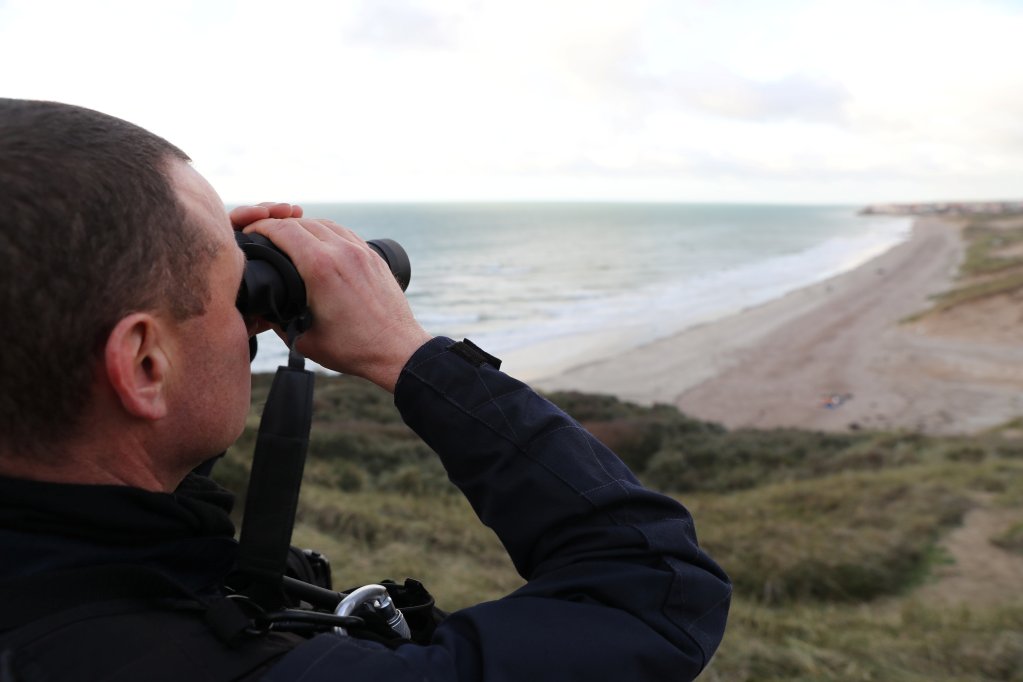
[(274, 485)]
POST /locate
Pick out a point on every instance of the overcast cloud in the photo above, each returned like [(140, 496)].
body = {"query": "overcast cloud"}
[(678, 100)]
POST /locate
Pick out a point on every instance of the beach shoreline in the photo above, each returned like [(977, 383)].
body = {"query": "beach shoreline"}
[(833, 356)]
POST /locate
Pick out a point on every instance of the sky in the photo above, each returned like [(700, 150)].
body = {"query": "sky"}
[(787, 101)]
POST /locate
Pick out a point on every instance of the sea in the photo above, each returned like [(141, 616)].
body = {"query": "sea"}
[(548, 286)]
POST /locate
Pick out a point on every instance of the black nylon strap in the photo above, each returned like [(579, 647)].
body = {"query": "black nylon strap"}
[(274, 486)]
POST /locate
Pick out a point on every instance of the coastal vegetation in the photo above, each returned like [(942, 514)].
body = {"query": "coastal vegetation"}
[(992, 264), (840, 545)]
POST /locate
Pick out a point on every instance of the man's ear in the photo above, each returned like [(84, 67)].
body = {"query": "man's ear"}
[(136, 364)]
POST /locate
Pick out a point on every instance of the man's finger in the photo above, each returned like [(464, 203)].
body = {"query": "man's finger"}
[(282, 210), (245, 215), (293, 237), (327, 228)]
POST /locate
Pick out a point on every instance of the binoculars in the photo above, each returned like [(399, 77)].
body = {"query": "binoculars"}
[(272, 289)]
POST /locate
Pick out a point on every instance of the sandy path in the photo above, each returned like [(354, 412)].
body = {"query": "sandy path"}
[(775, 364), (981, 573)]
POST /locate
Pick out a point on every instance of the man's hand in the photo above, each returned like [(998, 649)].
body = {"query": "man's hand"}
[(242, 216), (362, 322)]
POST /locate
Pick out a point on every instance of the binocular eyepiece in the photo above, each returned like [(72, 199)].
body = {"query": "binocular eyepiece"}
[(272, 289)]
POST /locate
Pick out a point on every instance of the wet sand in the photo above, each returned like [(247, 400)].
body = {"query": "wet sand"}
[(839, 354)]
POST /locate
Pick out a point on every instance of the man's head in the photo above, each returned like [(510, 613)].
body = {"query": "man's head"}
[(98, 220)]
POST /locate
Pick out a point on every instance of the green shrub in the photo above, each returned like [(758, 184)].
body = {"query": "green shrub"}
[(634, 439), (906, 642), (736, 460), (842, 538), (417, 479)]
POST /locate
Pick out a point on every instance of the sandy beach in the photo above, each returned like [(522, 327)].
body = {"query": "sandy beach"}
[(839, 354)]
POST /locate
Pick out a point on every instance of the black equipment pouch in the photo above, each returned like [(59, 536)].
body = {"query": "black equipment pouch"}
[(309, 566)]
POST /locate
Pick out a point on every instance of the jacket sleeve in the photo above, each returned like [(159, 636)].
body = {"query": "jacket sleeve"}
[(617, 587)]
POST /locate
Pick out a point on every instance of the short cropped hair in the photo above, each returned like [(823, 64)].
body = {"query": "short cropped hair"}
[(91, 230)]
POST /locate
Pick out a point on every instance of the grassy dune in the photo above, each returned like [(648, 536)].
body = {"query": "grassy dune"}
[(838, 544), (993, 263)]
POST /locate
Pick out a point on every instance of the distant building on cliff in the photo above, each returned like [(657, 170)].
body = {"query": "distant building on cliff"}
[(946, 208)]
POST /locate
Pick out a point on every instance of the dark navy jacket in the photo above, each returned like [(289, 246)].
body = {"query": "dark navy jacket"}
[(617, 587)]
